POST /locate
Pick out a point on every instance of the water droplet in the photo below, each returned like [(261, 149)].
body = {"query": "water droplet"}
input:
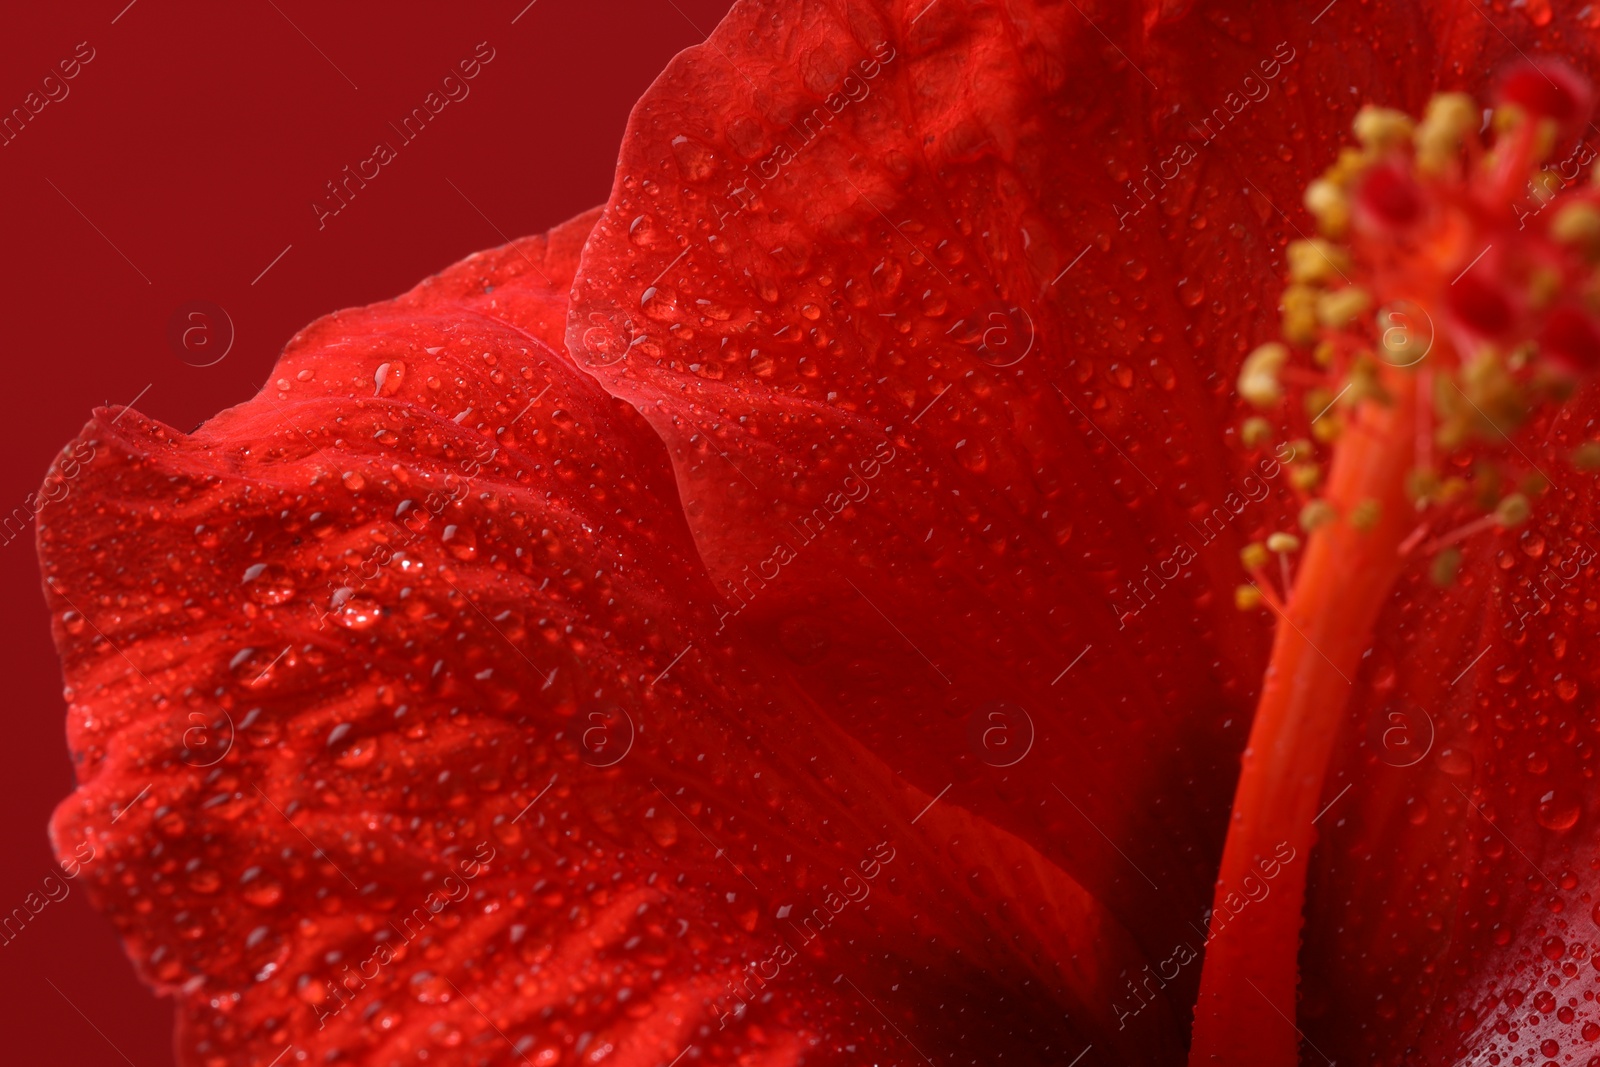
[(461, 542), (644, 232), (661, 304), (268, 583), (694, 159), (388, 378), (886, 277), (263, 894), (972, 456), (1558, 811), (415, 516), (358, 612)]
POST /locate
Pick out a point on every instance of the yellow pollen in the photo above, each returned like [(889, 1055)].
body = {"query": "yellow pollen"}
[(1586, 457), (1247, 598), (1382, 129), (1300, 314), (1305, 476), (1423, 485), (1450, 119), (1253, 556), (1364, 516), (1255, 432), (1282, 543), (1338, 309), (1513, 510), (1544, 286), (1578, 225), (1364, 382), (1317, 513), (1258, 377), (1329, 205), (1315, 261)]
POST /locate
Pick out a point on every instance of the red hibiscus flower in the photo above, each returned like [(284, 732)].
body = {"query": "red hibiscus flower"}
[(819, 636)]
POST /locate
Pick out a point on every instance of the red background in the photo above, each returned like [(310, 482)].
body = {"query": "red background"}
[(195, 141)]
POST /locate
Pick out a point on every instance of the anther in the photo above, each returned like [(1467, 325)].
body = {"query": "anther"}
[(1513, 510), (1315, 261), (1330, 206), (1445, 565), (1450, 119), (1316, 514), (1255, 432), (1300, 314), (1305, 476), (1258, 377), (1578, 225), (1282, 542), (1338, 309), (1382, 129)]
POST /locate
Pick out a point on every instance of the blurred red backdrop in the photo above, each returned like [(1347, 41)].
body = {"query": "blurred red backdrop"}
[(180, 164)]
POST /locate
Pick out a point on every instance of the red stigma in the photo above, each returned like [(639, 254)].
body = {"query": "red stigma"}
[(1548, 89)]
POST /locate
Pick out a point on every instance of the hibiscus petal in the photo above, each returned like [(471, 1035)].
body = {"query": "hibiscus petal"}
[(947, 436), (783, 285), (403, 729)]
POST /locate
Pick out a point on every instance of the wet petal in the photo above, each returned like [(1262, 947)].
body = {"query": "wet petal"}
[(403, 727)]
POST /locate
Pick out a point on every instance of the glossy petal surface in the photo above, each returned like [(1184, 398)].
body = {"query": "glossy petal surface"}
[(405, 731), (943, 436)]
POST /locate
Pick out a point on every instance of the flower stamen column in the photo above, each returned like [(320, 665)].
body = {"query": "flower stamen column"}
[(1438, 315)]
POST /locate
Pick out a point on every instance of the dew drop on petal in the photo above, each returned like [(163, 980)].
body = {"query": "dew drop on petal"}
[(1558, 811), (358, 613), (268, 583), (388, 378), (415, 516), (644, 232), (460, 542)]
